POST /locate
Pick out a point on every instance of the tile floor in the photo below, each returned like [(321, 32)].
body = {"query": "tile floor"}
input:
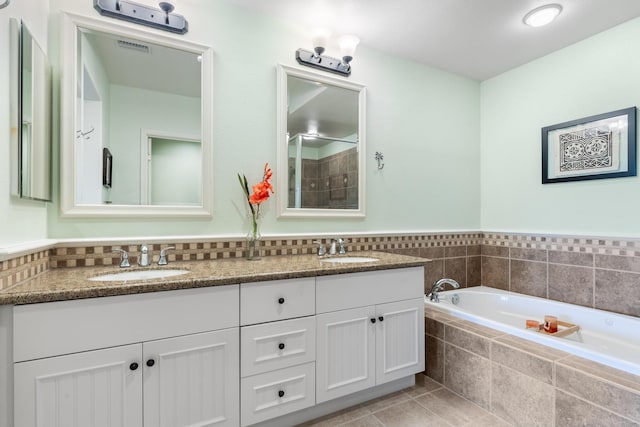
[(427, 403)]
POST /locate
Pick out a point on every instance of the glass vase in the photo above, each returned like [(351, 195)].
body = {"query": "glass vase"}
[(254, 242)]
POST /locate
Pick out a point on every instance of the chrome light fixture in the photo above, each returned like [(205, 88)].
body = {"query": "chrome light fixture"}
[(315, 59), (5, 4), (542, 15), (161, 19)]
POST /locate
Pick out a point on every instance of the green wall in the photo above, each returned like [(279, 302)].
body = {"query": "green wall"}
[(20, 220), (597, 75), (425, 121)]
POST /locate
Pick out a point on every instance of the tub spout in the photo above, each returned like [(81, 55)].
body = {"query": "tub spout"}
[(438, 286)]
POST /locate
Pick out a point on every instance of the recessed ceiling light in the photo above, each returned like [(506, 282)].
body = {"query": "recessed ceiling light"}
[(542, 15)]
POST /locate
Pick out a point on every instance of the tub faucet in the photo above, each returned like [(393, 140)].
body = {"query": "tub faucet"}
[(439, 286), (145, 259)]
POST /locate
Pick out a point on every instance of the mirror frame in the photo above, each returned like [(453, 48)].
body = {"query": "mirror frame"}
[(282, 192), (69, 42), (17, 31)]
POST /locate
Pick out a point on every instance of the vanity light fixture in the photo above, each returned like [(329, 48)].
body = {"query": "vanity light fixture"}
[(5, 4), (161, 19), (315, 59), (542, 15)]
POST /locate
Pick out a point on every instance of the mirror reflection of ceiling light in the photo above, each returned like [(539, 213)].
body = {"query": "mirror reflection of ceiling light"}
[(542, 15)]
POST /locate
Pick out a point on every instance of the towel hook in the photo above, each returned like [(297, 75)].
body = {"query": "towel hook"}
[(379, 158)]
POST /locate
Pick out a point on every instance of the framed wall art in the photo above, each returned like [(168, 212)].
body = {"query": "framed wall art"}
[(595, 147)]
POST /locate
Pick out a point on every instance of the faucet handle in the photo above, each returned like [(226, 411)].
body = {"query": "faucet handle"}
[(163, 255), (124, 257), (341, 250), (321, 250)]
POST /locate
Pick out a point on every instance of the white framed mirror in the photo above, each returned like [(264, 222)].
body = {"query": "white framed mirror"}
[(321, 145), (136, 122), (30, 113)]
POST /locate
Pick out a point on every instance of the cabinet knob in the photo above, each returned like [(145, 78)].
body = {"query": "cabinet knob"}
[(133, 366), (381, 318), (281, 346), (151, 362), (280, 300), (281, 393), (373, 320)]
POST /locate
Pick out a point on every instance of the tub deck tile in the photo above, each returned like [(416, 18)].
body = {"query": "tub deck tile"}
[(466, 338), (439, 316), (614, 397), (534, 348), (604, 372), (476, 329)]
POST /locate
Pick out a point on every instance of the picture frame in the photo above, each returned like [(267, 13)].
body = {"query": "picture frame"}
[(107, 167), (595, 147)]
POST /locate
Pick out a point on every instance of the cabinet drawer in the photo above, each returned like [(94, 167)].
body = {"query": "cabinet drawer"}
[(277, 393), (344, 291), (277, 345), (276, 300), (55, 328)]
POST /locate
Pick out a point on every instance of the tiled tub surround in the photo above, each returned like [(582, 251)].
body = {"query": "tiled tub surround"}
[(526, 383), (592, 272)]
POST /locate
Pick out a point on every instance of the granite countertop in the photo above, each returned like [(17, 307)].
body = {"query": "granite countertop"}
[(61, 284)]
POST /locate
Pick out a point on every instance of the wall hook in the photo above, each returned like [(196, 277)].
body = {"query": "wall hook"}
[(379, 158)]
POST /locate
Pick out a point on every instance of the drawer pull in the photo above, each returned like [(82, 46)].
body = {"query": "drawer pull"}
[(133, 366), (281, 393), (373, 320), (281, 346), (280, 300), (381, 319), (151, 362)]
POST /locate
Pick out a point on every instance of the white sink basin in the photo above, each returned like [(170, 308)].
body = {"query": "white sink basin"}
[(349, 260), (137, 275)]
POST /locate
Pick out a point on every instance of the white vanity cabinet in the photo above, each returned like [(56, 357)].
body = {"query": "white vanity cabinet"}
[(278, 348), (156, 359), (370, 329)]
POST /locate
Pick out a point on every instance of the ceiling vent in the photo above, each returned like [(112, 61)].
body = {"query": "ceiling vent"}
[(133, 46)]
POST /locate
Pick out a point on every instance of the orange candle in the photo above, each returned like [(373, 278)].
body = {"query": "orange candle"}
[(551, 324)]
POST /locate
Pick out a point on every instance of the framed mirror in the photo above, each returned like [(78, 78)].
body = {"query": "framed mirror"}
[(136, 122), (321, 145), (30, 116)]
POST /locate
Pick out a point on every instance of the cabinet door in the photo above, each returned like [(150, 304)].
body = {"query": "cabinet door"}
[(399, 339), (345, 359), (192, 380), (96, 388)]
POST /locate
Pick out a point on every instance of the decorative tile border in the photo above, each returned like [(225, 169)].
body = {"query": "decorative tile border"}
[(21, 268), (591, 245)]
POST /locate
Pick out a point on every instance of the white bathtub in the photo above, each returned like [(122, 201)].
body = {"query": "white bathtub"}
[(605, 337)]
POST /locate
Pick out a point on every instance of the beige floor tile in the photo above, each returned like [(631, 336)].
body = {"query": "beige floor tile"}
[(452, 408), (423, 385), (488, 421), (339, 418), (409, 414), (386, 401), (366, 421)]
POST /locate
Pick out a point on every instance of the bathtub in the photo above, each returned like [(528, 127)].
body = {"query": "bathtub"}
[(608, 338)]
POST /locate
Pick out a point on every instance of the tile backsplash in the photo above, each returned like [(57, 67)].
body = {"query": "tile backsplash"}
[(594, 272)]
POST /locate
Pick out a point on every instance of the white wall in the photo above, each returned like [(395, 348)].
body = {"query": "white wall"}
[(20, 220), (425, 121), (597, 75)]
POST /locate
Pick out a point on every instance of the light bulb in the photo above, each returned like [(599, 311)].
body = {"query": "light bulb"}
[(320, 38), (348, 44)]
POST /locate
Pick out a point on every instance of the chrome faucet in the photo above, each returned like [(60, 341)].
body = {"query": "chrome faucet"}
[(124, 257), (321, 250), (145, 257), (341, 249), (439, 286), (332, 249), (163, 255)]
